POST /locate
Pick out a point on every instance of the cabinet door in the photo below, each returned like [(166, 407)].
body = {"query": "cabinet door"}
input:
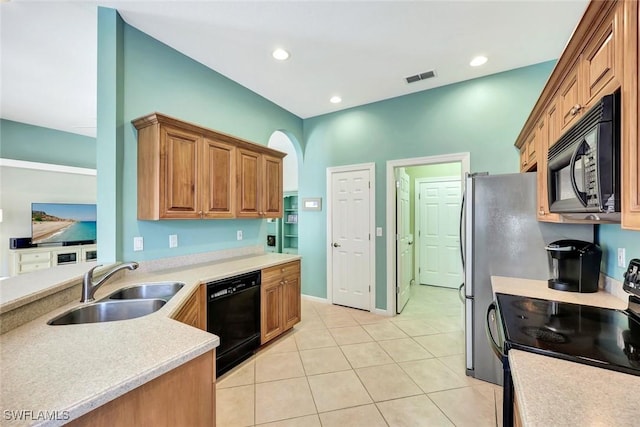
[(249, 179), (178, 173), (218, 179), (570, 98), (549, 132), (291, 300), (601, 61), (271, 309), (272, 187)]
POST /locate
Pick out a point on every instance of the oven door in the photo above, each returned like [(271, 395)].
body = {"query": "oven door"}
[(500, 347)]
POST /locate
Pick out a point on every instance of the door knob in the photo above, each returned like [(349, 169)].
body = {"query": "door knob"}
[(336, 245)]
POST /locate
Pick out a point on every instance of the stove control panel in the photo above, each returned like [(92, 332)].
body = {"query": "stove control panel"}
[(632, 277)]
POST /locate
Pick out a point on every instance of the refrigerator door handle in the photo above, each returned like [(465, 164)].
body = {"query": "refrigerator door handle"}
[(460, 232), (492, 342)]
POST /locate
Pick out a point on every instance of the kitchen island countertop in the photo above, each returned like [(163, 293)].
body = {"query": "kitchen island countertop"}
[(70, 370)]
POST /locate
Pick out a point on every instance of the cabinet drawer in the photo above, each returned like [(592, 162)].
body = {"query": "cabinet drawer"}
[(24, 268), (35, 257), (281, 270)]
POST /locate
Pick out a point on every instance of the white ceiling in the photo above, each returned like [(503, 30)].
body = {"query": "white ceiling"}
[(360, 50)]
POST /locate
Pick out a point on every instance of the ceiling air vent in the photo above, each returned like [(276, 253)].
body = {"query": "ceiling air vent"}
[(421, 76)]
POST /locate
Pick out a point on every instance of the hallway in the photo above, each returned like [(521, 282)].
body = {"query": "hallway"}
[(345, 367)]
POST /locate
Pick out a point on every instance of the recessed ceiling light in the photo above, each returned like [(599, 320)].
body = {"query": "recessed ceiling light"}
[(280, 54), (478, 61), (335, 99)]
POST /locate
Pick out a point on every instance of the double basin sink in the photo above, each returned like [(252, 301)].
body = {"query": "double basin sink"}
[(126, 303)]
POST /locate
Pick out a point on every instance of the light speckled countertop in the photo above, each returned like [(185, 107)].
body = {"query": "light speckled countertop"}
[(77, 368), (540, 289), (556, 392)]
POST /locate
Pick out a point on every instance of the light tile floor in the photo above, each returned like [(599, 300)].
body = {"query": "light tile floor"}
[(344, 367)]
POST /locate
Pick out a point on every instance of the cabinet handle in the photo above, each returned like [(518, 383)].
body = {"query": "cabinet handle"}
[(201, 214), (541, 212), (575, 109), (281, 282)]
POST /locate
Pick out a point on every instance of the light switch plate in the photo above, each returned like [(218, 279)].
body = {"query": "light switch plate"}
[(138, 244), (378, 231), (622, 261), (239, 235), (173, 240)]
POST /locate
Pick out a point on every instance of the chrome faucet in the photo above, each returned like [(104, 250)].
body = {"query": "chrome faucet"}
[(89, 287)]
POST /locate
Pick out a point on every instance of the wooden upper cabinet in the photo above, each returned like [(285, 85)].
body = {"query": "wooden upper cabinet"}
[(570, 99), (602, 59), (189, 172), (179, 173), (548, 130), (630, 161), (528, 160), (218, 179), (259, 185), (272, 194)]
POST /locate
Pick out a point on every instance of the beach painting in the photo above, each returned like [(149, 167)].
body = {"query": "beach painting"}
[(62, 222)]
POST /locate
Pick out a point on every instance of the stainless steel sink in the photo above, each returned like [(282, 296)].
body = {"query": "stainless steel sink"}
[(108, 311), (161, 290)]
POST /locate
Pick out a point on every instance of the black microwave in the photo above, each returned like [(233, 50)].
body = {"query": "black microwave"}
[(584, 165)]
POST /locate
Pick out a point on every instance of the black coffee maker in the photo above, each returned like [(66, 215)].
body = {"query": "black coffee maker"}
[(574, 265)]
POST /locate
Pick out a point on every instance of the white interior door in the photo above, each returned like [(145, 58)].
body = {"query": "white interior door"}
[(404, 242), (350, 240), (439, 210)]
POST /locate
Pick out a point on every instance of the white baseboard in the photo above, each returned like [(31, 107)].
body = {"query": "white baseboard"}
[(315, 299)]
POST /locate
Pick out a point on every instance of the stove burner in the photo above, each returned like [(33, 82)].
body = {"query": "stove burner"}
[(544, 334), (531, 306)]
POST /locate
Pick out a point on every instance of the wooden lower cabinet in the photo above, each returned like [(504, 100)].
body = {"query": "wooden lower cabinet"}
[(193, 311), (280, 299), (184, 396)]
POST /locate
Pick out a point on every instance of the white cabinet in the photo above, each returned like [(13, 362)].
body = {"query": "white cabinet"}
[(33, 259)]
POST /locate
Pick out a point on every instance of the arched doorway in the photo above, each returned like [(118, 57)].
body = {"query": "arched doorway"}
[(281, 235)]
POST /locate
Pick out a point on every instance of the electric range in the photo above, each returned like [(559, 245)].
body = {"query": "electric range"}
[(596, 336)]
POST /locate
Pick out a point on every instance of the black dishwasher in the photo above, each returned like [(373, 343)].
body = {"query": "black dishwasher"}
[(233, 314)]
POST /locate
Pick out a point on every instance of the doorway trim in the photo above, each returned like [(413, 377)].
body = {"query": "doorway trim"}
[(371, 168), (462, 158), (416, 211)]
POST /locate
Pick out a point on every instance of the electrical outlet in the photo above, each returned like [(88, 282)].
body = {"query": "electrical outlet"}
[(378, 231), (173, 240), (138, 243), (239, 234), (622, 258)]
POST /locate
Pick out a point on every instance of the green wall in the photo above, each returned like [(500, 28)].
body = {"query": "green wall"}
[(611, 237), (426, 171), (481, 116), (20, 141), (149, 76)]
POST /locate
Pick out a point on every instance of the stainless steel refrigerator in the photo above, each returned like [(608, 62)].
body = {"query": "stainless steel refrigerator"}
[(501, 237)]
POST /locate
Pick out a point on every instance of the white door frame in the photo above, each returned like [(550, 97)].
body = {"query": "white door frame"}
[(463, 158), (371, 167), (416, 211)]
